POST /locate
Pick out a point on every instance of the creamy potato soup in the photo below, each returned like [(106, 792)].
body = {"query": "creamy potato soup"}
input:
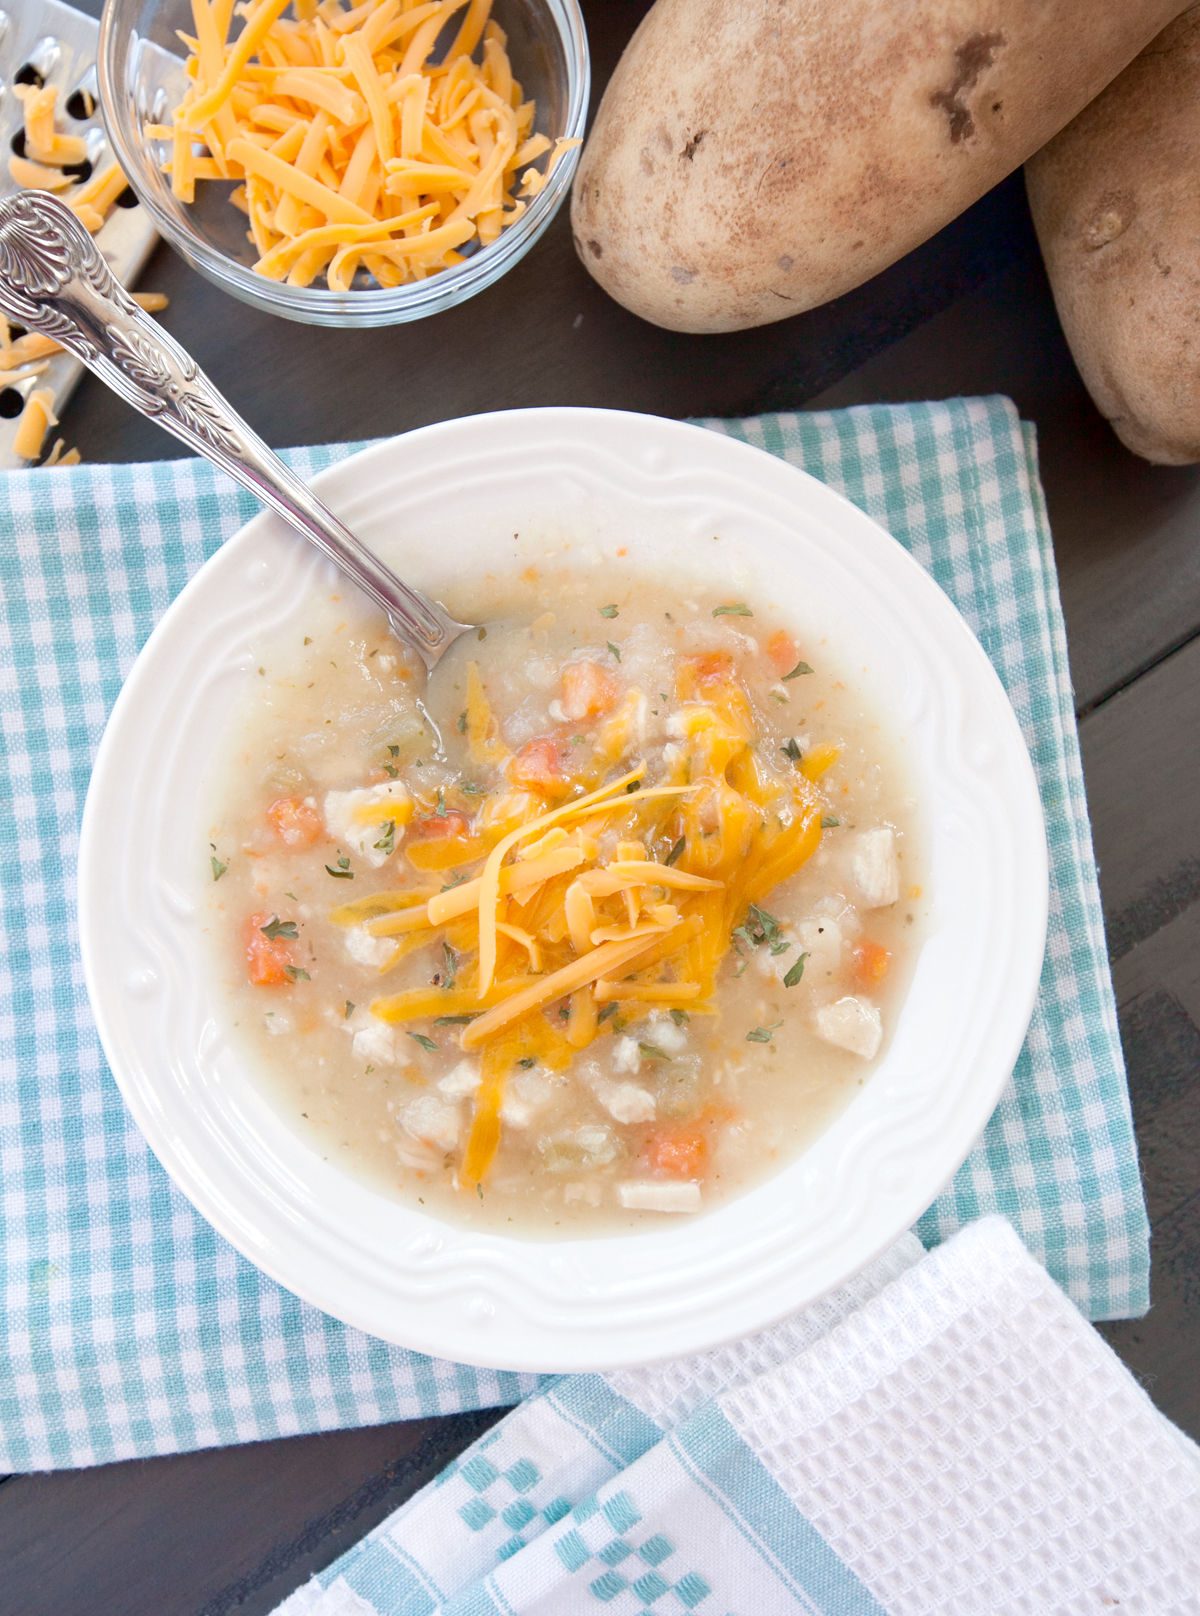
[(609, 949)]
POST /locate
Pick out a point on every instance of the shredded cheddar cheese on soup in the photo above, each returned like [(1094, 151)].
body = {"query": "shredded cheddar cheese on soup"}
[(561, 924), (352, 150)]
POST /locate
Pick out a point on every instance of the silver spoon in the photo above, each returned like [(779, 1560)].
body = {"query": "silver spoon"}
[(53, 280)]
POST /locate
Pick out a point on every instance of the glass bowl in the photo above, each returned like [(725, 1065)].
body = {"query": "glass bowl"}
[(141, 72)]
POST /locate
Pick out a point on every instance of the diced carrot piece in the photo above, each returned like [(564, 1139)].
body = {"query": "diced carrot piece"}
[(267, 958), (699, 675), (587, 690), (294, 822), (871, 962), (782, 651), (436, 826), (679, 1153), (540, 765)]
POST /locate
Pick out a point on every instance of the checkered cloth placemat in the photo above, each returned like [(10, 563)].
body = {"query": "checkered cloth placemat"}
[(128, 1327)]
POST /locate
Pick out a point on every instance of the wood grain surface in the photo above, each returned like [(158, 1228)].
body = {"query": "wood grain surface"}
[(969, 313)]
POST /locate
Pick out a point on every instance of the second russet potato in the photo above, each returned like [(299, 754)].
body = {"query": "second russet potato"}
[(1117, 210)]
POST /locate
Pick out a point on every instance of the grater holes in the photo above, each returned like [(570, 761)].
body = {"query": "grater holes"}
[(11, 404), (18, 143), (84, 99), (127, 198), (39, 64), (82, 171)]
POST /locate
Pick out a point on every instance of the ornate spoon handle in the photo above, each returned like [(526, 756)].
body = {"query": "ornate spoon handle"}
[(53, 280)]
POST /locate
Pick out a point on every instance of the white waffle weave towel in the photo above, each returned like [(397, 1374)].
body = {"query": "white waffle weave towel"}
[(946, 1436)]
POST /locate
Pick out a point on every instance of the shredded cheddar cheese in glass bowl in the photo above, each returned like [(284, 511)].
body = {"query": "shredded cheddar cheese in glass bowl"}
[(369, 149)]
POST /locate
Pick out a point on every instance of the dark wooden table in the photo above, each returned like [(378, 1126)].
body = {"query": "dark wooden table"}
[(969, 313)]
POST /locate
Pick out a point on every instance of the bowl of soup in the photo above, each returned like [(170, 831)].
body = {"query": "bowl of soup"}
[(627, 986)]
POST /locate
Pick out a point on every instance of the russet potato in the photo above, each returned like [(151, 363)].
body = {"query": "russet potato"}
[(1117, 208), (754, 158)]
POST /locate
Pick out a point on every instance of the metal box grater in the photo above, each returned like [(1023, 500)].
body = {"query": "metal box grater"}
[(58, 43)]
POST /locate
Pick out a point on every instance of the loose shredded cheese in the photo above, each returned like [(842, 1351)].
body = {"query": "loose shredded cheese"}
[(56, 457), (341, 119), (35, 421), (37, 176), (33, 345), (48, 155)]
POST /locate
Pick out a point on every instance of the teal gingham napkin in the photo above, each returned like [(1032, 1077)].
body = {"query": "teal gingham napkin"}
[(128, 1327)]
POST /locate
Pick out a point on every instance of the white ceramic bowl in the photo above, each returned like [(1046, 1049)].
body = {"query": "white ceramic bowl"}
[(449, 499)]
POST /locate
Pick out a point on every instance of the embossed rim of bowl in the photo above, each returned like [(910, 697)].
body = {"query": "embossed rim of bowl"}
[(587, 1304), (315, 305)]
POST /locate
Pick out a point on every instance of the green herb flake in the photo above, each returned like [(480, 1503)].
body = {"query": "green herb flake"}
[(738, 609), (461, 726), (343, 862), (479, 1187), (452, 1021), (680, 1017), (613, 649), (801, 667), (451, 965), (652, 1052), (632, 787), (791, 749), (392, 772), (796, 972), (279, 928), (610, 1009), (564, 1011), (441, 803), (676, 852), (470, 789), (425, 1043), (740, 969), (608, 611), (394, 751), (349, 1009), (828, 822), (458, 880), (368, 1071), (763, 1035), (387, 842), (781, 947), (778, 695), (339, 875), (766, 927), (292, 896), (526, 1062), (218, 869), (297, 973)]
